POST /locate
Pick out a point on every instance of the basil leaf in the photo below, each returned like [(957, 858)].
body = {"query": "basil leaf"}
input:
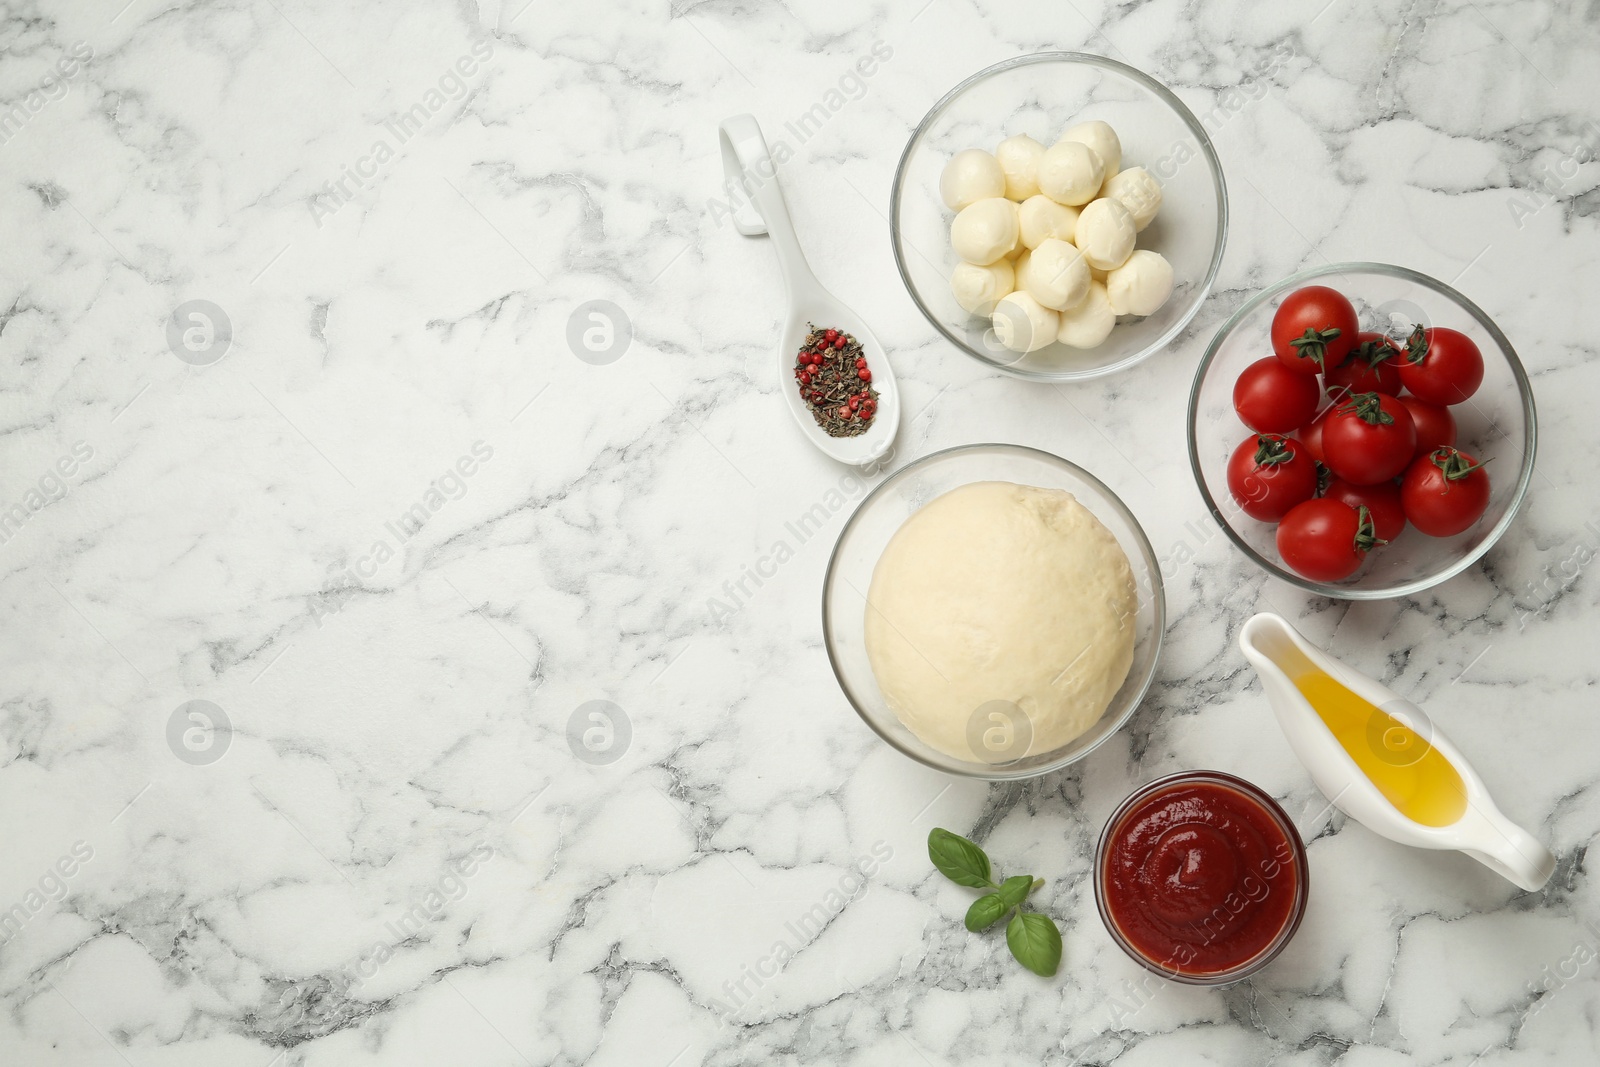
[(1015, 890), (959, 859), (986, 911), (1036, 942)]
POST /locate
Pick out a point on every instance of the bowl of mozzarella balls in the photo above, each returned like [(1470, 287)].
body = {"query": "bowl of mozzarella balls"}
[(1059, 216)]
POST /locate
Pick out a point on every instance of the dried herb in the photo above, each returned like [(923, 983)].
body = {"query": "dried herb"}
[(836, 383)]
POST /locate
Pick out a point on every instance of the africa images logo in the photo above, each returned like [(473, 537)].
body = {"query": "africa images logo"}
[(50, 487), (346, 579), (363, 172)]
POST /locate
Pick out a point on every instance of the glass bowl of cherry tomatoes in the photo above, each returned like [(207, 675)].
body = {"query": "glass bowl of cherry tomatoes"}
[(1362, 431)]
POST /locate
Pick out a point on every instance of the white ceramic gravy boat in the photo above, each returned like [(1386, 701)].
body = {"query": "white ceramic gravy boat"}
[(1279, 654), (751, 171)]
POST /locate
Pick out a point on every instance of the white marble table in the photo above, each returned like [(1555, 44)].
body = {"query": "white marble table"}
[(400, 535)]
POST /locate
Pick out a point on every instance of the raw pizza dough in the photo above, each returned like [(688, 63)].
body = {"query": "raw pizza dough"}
[(999, 596)]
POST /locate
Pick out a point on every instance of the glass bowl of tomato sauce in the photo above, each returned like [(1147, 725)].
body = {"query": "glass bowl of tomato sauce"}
[(1496, 425), (1201, 878)]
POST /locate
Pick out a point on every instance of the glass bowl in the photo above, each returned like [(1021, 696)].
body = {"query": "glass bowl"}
[(1041, 95), (1496, 423), (881, 513), (1297, 857)]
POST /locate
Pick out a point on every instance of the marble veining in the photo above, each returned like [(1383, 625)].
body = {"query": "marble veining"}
[(401, 666)]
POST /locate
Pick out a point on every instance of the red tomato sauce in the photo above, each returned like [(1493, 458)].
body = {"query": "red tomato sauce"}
[(1201, 878)]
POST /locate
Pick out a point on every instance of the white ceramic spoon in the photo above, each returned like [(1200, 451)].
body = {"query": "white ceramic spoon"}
[(749, 168)]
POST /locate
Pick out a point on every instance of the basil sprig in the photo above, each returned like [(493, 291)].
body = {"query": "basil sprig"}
[(1032, 938)]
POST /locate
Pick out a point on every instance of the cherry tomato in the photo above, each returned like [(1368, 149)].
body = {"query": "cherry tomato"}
[(1382, 501), (1436, 427), (1369, 438), (1369, 368), (1271, 398), (1441, 365), (1268, 474), (1445, 492), (1325, 540), (1310, 435), (1314, 327)]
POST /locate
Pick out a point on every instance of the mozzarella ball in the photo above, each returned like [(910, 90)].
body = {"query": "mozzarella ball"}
[(1023, 324), (971, 176), (1137, 191), (1105, 233), (1141, 285), (985, 231), (1070, 173), (1041, 217), (1103, 139), (1055, 275), (1019, 160), (978, 289), (1018, 248), (1090, 323)]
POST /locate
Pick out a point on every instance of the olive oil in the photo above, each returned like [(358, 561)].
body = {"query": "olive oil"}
[(1411, 774)]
